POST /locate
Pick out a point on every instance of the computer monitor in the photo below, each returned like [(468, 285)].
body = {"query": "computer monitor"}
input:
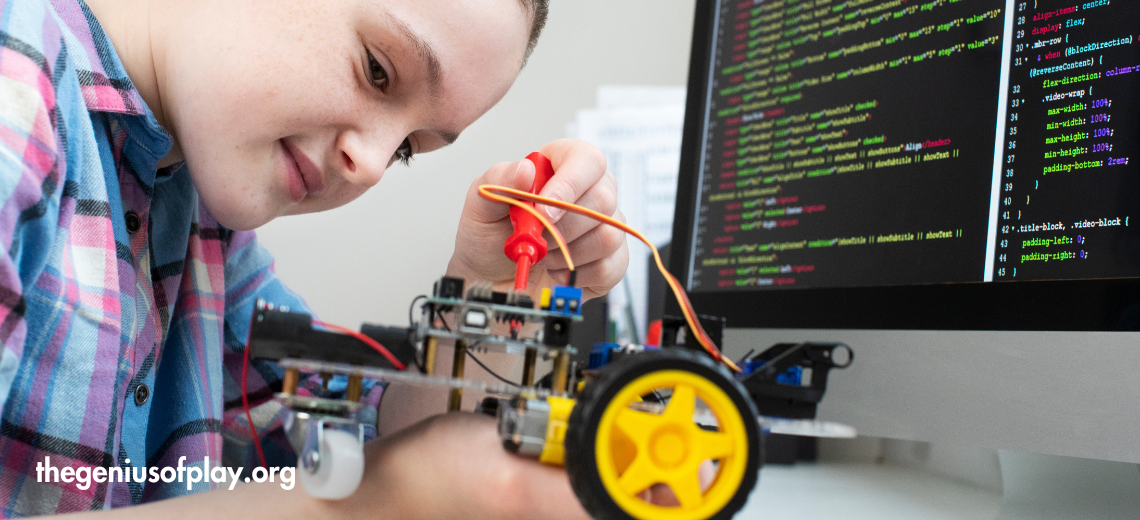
[(947, 186)]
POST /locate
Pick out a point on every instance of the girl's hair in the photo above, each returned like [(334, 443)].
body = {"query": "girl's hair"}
[(538, 10)]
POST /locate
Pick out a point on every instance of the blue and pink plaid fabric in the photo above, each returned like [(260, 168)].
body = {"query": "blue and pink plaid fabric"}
[(91, 309)]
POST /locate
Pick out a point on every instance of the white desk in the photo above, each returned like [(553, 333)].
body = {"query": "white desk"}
[(857, 491)]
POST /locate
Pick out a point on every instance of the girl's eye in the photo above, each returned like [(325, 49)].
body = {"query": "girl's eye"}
[(404, 152), (376, 73)]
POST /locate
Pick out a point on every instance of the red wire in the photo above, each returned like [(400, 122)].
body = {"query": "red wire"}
[(367, 340), (245, 405)]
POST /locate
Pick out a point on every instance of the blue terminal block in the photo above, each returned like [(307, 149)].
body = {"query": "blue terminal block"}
[(793, 376), (600, 354), (566, 300)]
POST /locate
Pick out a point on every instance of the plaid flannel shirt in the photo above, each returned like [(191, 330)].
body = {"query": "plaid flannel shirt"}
[(115, 278)]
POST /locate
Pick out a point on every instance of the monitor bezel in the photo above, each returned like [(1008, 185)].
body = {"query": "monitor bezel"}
[(1060, 305)]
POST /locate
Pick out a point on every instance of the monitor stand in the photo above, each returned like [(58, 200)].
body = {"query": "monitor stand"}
[(1051, 487)]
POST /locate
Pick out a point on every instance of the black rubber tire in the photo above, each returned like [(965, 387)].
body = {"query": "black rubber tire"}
[(581, 429)]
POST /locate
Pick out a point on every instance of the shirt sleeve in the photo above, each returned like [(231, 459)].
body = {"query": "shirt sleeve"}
[(31, 188)]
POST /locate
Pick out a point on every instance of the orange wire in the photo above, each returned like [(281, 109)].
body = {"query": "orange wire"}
[(486, 190), (703, 338)]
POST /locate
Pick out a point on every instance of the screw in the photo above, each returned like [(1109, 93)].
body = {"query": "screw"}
[(311, 461)]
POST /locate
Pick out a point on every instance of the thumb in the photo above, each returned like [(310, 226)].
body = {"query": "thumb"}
[(523, 176), (518, 175)]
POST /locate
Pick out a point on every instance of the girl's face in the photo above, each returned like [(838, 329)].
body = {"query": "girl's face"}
[(294, 106)]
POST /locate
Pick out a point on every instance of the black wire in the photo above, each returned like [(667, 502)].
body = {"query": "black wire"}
[(745, 357), (489, 371), (412, 322)]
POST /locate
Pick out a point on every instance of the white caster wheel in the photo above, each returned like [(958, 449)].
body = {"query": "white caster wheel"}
[(335, 471)]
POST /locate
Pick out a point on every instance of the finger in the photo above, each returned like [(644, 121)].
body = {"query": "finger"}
[(598, 243), (577, 167), (598, 277), (663, 495), (517, 174), (602, 197)]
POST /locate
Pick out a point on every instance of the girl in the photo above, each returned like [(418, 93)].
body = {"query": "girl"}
[(141, 140)]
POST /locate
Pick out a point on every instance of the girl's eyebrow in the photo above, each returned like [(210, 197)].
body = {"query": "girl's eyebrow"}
[(427, 53)]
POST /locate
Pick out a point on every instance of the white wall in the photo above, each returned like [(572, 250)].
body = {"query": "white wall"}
[(367, 260)]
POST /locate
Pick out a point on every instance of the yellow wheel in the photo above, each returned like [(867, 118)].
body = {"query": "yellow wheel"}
[(694, 456)]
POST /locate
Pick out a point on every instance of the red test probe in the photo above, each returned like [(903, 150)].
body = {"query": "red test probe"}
[(526, 246)]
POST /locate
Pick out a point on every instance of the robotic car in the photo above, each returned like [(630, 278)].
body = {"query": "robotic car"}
[(635, 418)]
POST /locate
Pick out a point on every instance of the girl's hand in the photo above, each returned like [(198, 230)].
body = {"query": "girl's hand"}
[(454, 466), (599, 251)]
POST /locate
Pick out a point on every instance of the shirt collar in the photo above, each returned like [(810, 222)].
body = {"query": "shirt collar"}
[(106, 87), (102, 77)]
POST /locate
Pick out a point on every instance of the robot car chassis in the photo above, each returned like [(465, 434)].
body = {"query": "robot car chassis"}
[(633, 418)]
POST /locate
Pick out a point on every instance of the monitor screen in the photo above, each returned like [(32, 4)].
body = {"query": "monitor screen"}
[(909, 157)]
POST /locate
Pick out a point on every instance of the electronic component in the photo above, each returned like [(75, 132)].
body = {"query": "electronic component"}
[(600, 354), (788, 380), (448, 287), (519, 299), (276, 334), (525, 247), (675, 331), (475, 321), (556, 332), (605, 353), (566, 300), (481, 292)]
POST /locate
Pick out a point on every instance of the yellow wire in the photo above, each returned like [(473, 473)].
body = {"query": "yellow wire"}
[(487, 190)]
